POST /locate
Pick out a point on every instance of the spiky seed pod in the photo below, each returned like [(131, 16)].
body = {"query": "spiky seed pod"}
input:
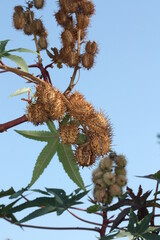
[(120, 171), (18, 9), (100, 195), (18, 20), (109, 178), (100, 183), (36, 114), (72, 59), (28, 30), (80, 109), (100, 145), (42, 42), (64, 53), (69, 6), (115, 190), (69, 133), (105, 164), (82, 21), (88, 7), (112, 155), (38, 4), (120, 160), (91, 47), (97, 174), (52, 100), (121, 180), (37, 26), (88, 60), (68, 38), (29, 16), (63, 19), (84, 156)]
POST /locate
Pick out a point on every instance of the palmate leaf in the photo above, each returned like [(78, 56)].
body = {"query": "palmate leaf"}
[(66, 157), (44, 159), (43, 136), (18, 60)]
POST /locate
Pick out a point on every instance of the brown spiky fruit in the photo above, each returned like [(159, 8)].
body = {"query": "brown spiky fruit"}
[(38, 4), (69, 133), (36, 114), (28, 30), (64, 53), (42, 42), (91, 47), (18, 9), (69, 6), (87, 7), (52, 101), (68, 38), (80, 109), (29, 16), (88, 60), (18, 20), (100, 145), (82, 21), (38, 27), (84, 156), (72, 59), (64, 19)]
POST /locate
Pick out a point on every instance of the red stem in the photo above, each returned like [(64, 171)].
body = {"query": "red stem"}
[(15, 122), (105, 224)]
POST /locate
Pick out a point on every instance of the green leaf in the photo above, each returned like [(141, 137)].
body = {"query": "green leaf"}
[(18, 193), (19, 61), (2, 46), (40, 191), (22, 50), (44, 159), (7, 192), (143, 225), (150, 236), (51, 127), (68, 161), (93, 208), (43, 136), (59, 194), (132, 222), (81, 139), (38, 213), (20, 91)]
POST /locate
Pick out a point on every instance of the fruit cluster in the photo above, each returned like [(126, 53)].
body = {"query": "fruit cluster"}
[(23, 19), (79, 124), (74, 16), (109, 178)]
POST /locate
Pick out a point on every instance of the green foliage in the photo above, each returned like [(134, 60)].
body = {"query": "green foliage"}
[(65, 154), (18, 60)]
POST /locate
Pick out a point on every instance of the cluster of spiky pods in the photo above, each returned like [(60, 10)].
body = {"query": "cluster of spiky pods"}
[(74, 16), (109, 178), (80, 124), (24, 19)]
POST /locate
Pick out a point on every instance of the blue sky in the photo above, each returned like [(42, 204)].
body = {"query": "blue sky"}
[(124, 83)]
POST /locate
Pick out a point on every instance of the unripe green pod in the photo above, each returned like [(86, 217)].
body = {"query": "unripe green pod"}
[(121, 180), (105, 164), (109, 178)]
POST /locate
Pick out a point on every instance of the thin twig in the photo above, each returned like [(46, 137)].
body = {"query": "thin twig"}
[(83, 220), (51, 228), (84, 210)]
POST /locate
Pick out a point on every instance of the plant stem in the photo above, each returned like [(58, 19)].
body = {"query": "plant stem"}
[(155, 197), (15, 122), (105, 224), (52, 228)]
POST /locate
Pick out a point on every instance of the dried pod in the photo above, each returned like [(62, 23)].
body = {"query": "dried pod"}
[(28, 30), (72, 59), (36, 114), (87, 60), (29, 16), (80, 109), (38, 26), (100, 145), (69, 133), (68, 38), (84, 155), (18, 9), (18, 20), (69, 6), (64, 53), (42, 42), (88, 7), (38, 4), (63, 19), (82, 21), (91, 47)]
